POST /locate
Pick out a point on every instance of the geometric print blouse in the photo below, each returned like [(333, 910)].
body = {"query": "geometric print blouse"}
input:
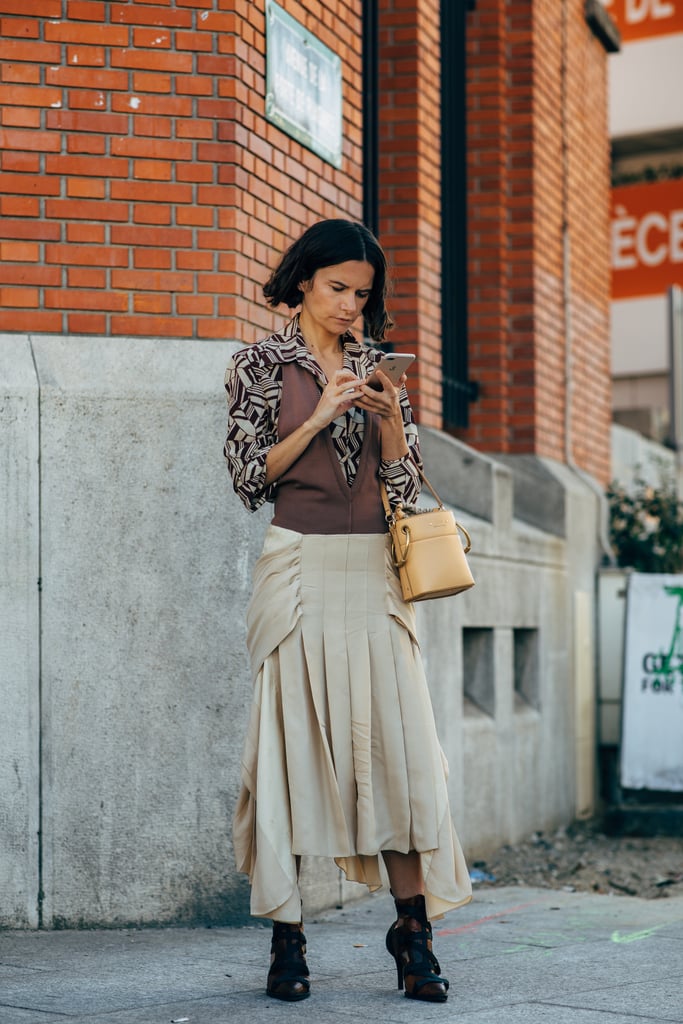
[(253, 382)]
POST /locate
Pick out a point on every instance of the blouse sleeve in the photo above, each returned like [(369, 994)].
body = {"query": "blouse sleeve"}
[(402, 476), (251, 429)]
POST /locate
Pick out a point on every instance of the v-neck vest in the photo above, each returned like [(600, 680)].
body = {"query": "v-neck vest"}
[(313, 495)]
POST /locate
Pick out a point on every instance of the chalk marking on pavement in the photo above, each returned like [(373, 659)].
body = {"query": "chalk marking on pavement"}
[(646, 933), (490, 917)]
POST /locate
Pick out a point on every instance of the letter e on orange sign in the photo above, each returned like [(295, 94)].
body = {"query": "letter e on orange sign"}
[(647, 238)]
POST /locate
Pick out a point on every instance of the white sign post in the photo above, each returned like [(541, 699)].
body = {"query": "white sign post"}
[(652, 726)]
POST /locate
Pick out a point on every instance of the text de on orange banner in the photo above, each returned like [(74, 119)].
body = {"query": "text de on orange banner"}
[(641, 19)]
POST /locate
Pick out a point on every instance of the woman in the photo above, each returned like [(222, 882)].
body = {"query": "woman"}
[(342, 757)]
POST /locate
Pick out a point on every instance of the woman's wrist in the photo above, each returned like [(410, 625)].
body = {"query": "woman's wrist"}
[(310, 428), (395, 419), (394, 443), (392, 451)]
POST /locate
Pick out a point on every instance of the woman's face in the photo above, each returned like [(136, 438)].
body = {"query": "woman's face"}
[(335, 296)]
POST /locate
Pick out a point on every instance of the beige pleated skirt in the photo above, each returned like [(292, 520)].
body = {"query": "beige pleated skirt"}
[(341, 757)]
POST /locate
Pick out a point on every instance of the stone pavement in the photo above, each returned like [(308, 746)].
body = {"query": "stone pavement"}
[(513, 955)]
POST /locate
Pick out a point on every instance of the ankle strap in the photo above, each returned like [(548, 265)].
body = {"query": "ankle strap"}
[(414, 907)]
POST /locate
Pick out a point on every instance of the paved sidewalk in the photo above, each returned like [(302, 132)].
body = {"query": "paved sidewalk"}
[(513, 955)]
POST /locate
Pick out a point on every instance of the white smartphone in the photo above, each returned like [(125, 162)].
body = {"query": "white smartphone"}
[(394, 364)]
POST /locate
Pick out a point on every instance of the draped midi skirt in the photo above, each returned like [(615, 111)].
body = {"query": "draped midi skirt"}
[(341, 757)]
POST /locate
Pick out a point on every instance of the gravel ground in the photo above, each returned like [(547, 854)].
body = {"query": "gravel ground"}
[(581, 858)]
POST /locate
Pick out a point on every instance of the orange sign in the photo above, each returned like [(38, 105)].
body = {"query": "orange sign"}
[(640, 19), (647, 238)]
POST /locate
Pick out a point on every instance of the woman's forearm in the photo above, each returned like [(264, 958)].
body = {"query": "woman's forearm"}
[(394, 444), (283, 454)]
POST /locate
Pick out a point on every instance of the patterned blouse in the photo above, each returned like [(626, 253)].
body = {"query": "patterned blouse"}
[(253, 381)]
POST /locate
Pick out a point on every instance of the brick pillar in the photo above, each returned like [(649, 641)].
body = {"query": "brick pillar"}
[(488, 158), (538, 167), (409, 188)]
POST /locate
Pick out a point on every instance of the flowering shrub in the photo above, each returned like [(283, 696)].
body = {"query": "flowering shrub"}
[(646, 527)]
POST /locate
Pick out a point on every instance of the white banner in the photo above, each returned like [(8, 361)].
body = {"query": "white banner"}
[(652, 727)]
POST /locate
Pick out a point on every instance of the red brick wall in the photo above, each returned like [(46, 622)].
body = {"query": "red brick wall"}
[(519, 200), (589, 216), (489, 266), (410, 185), (142, 191)]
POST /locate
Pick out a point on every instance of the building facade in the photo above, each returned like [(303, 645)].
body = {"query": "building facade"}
[(156, 159), (646, 128), (145, 191)]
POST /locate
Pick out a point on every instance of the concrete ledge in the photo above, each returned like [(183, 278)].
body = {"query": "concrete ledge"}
[(462, 477), (539, 497)]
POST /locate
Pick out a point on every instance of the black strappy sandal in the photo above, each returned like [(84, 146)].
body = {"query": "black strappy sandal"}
[(409, 941), (288, 974)]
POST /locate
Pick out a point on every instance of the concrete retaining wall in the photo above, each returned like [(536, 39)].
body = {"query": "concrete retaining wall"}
[(19, 636), (125, 682)]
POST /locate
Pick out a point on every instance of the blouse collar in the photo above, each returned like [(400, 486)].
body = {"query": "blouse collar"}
[(296, 350), (293, 348)]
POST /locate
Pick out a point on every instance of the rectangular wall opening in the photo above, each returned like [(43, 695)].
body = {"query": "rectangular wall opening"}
[(479, 684), (527, 689)]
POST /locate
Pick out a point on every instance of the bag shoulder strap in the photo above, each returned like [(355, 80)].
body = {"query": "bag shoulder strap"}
[(389, 515), (426, 481)]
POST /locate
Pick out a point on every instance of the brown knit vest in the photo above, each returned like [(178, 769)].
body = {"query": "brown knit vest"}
[(313, 495)]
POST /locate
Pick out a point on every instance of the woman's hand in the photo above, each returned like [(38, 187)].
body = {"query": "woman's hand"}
[(384, 403), (339, 394)]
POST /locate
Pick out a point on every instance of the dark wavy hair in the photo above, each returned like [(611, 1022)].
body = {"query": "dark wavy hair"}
[(326, 244)]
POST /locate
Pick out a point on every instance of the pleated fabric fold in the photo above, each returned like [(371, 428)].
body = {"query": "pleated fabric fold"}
[(341, 757)]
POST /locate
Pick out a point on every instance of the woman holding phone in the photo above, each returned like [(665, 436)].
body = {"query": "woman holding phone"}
[(341, 757)]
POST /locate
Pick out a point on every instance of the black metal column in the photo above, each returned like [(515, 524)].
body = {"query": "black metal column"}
[(458, 391), (370, 116)]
